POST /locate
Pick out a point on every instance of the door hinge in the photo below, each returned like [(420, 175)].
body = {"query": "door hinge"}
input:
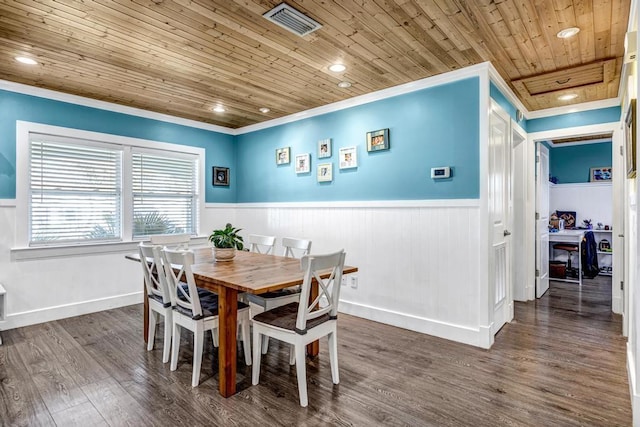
[(537, 273), (622, 285), (621, 152), (537, 215), (537, 159)]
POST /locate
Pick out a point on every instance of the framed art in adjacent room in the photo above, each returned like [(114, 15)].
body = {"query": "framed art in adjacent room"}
[(630, 139), (600, 174), (220, 175), (325, 172), (378, 140), (324, 148), (303, 163), (348, 158), (282, 156)]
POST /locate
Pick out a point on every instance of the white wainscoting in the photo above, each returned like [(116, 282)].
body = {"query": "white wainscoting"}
[(418, 261), (592, 201)]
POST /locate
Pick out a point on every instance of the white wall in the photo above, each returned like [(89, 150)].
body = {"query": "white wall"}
[(592, 201)]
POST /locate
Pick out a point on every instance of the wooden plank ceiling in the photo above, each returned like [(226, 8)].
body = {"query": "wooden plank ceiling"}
[(183, 57)]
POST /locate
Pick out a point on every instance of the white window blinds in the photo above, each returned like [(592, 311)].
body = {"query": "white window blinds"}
[(165, 193), (75, 191)]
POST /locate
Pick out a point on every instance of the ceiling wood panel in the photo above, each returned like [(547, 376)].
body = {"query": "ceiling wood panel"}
[(183, 57)]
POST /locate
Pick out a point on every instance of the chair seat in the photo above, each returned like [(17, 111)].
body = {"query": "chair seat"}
[(566, 247), (284, 317), (209, 303), (257, 299)]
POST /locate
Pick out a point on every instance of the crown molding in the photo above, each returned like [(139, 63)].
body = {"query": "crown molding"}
[(108, 106), (575, 108), (437, 80)]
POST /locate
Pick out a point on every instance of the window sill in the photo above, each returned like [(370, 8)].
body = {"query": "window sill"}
[(47, 252)]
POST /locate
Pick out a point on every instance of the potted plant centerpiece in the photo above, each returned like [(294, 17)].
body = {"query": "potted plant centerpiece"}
[(225, 242)]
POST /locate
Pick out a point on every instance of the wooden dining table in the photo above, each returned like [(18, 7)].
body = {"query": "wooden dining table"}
[(247, 272)]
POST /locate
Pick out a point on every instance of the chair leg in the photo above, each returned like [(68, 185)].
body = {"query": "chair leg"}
[(246, 340), (198, 347), (301, 371), (265, 344), (257, 355), (151, 335), (292, 355), (214, 337), (167, 339), (176, 347), (333, 356)]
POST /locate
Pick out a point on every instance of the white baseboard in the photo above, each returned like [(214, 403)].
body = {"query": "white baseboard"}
[(616, 305), (48, 314), (449, 331), (635, 399)]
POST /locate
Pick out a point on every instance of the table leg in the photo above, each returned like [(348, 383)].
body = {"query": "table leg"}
[(228, 321), (313, 348), (145, 315)]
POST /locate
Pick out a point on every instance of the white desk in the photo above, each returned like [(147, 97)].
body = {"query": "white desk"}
[(568, 236)]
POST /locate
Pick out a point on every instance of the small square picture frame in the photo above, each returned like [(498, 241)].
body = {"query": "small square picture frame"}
[(348, 157), (601, 174), (324, 148), (378, 140), (303, 163), (325, 172), (220, 176), (283, 155)]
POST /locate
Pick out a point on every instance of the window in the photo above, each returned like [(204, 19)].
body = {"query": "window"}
[(85, 187)]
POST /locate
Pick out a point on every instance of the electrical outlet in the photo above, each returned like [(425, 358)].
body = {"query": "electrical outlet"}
[(343, 282), (354, 281)]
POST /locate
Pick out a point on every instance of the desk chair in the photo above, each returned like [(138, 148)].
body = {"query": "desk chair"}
[(570, 248), (194, 312), (293, 248), (302, 323)]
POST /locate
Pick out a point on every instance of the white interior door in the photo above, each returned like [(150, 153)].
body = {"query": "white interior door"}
[(522, 260), (499, 213), (542, 220)]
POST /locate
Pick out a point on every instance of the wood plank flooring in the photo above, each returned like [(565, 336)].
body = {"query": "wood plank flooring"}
[(561, 362)]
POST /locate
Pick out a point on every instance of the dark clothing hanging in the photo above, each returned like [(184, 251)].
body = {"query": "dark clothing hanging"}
[(589, 256)]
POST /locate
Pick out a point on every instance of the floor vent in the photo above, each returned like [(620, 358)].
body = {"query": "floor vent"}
[(292, 20)]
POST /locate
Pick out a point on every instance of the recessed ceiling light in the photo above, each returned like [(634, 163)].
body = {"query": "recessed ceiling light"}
[(344, 84), (568, 97), (568, 32), (219, 109), (337, 68), (264, 110), (25, 60)]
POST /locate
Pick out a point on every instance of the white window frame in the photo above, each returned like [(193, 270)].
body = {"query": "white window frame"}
[(23, 131)]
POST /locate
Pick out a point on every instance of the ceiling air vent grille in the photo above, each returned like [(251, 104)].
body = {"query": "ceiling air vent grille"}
[(292, 20)]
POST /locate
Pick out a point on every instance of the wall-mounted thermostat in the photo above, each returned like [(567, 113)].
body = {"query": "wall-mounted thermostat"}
[(441, 172)]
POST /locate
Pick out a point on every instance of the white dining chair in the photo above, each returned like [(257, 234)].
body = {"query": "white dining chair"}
[(196, 312), (302, 323), (158, 295), (173, 241), (261, 244), (293, 248)]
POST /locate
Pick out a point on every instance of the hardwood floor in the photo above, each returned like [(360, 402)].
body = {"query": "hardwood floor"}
[(561, 362)]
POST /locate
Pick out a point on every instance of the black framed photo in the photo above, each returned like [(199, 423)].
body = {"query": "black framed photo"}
[(630, 139), (378, 140), (220, 175)]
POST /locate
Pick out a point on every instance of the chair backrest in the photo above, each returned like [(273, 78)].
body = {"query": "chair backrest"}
[(261, 244), (155, 279), (173, 241), (313, 266), (177, 265), (295, 248)]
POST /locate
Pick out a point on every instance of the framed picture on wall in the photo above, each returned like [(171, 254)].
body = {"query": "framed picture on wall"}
[(282, 156), (325, 172), (324, 148), (630, 139), (378, 140), (220, 175), (348, 158), (303, 163), (600, 174)]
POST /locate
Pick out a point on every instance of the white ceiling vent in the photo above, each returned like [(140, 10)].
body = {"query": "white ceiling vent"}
[(292, 20)]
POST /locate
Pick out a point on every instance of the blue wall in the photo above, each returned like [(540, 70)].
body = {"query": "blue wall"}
[(437, 126), (573, 164), (219, 147), (583, 118)]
